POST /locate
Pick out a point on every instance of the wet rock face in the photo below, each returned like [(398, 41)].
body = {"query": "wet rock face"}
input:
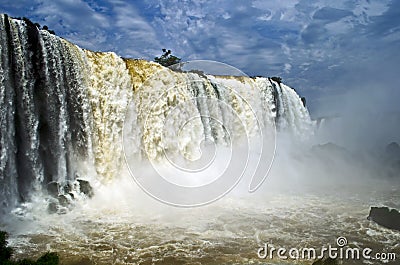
[(53, 188), (52, 207), (68, 188), (385, 217), (63, 200), (304, 101), (63, 196), (85, 188)]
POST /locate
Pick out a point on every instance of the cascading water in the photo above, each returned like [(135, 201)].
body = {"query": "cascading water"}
[(63, 110), (45, 125)]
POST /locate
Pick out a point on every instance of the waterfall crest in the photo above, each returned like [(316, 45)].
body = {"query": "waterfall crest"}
[(63, 110)]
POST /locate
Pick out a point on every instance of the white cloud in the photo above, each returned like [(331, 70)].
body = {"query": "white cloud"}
[(111, 25), (287, 68), (134, 30), (226, 15), (71, 12), (371, 7)]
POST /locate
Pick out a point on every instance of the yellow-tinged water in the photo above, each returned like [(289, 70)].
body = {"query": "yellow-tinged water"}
[(110, 91), (141, 70)]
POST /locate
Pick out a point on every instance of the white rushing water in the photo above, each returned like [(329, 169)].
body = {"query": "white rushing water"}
[(64, 110)]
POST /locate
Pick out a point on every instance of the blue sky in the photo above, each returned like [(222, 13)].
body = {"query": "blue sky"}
[(339, 54)]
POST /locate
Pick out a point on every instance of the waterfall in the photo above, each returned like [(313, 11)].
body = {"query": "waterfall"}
[(64, 110), (45, 125)]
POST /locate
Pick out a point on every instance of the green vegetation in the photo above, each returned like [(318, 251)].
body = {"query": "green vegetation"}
[(29, 22), (167, 59), (47, 28), (6, 253), (277, 79)]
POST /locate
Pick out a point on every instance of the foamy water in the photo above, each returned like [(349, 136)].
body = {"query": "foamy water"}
[(124, 226)]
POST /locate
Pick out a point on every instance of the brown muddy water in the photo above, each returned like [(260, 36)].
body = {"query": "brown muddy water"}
[(120, 228)]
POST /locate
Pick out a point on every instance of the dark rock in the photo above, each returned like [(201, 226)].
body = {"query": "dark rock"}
[(330, 151), (53, 188), (393, 150), (82, 261), (303, 100), (52, 208), (385, 217), (68, 187), (63, 200), (85, 188), (329, 147), (326, 261), (48, 259)]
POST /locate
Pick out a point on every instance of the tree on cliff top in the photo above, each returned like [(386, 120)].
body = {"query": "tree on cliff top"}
[(167, 59)]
